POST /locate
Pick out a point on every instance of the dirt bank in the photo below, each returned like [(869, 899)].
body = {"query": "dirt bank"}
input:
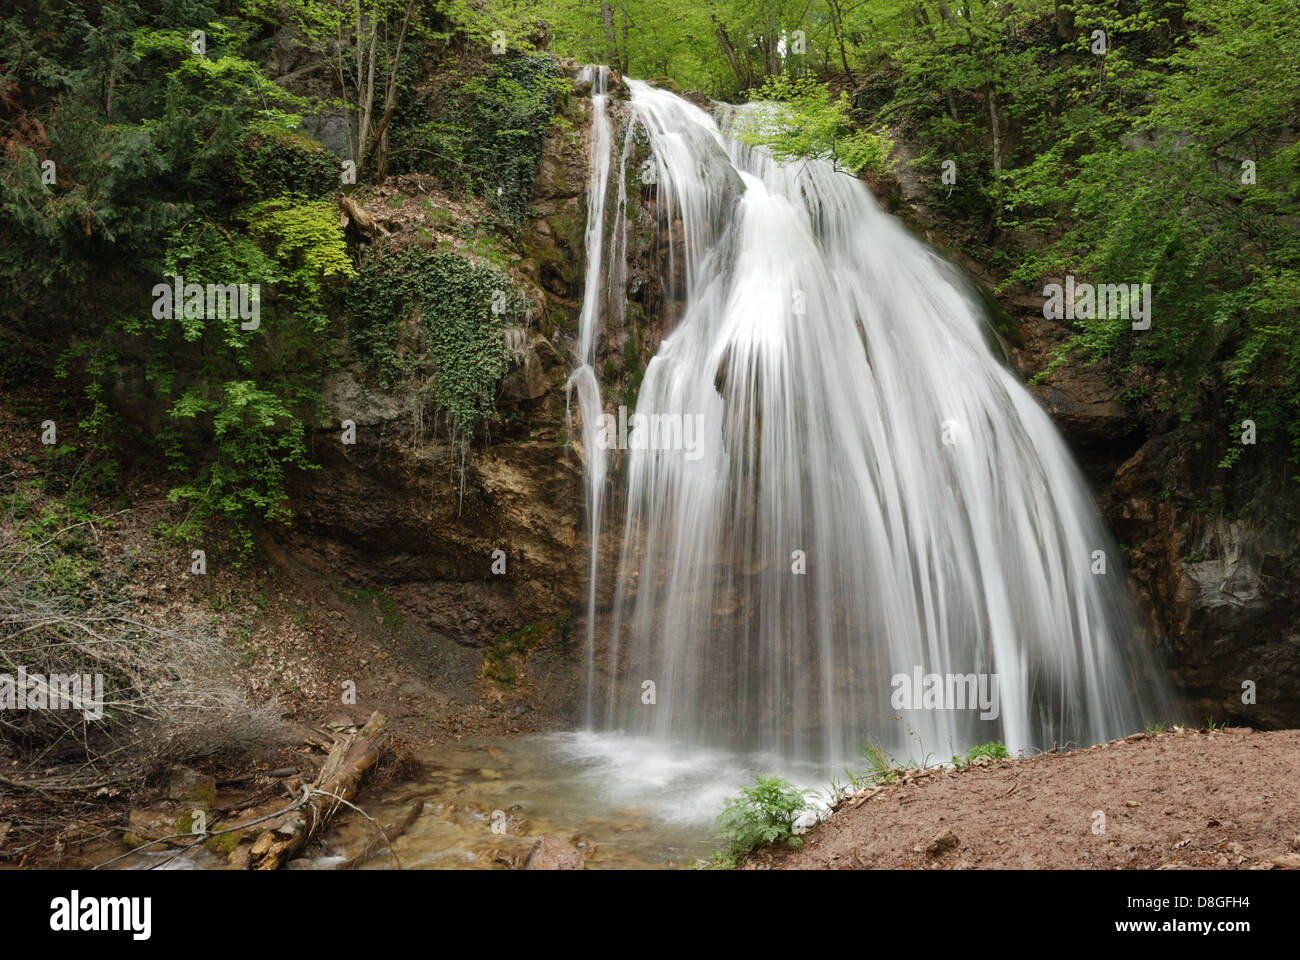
[(1176, 800)]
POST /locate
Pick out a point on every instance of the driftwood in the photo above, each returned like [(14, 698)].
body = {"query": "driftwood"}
[(385, 840), (339, 781)]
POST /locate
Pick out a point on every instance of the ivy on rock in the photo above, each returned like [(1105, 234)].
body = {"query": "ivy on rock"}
[(460, 308)]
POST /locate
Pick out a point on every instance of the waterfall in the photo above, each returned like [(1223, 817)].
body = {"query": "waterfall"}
[(872, 496), (583, 378)]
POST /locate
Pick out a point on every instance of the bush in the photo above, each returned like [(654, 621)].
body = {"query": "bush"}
[(762, 814), (241, 401), (287, 163), (162, 694), (488, 137)]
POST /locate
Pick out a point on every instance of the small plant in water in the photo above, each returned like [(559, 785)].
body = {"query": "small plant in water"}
[(762, 814)]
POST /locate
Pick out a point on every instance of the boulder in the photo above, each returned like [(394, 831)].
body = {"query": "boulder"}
[(548, 853)]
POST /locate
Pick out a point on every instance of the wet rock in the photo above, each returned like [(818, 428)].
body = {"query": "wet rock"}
[(146, 825), (549, 853), (527, 378)]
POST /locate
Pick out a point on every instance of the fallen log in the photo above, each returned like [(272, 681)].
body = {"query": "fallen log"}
[(385, 840), (363, 223), (339, 780)]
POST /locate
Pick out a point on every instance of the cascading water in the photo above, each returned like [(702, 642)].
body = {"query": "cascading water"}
[(583, 377), (873, 495)]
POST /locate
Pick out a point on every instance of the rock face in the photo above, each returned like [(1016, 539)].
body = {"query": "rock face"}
[(1101, 431), (1214, 556), (1221, 591), (477, 546)]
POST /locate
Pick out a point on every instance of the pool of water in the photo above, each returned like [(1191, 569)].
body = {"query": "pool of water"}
[(626, 801)]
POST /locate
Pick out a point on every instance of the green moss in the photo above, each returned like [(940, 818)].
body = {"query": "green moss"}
[(506, 658), (223, 844), (382, 602)]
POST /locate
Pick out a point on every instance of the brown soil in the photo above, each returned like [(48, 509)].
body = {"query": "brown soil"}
[(1176, 800)]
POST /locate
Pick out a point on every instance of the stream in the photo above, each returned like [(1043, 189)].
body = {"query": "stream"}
[(627, 802)]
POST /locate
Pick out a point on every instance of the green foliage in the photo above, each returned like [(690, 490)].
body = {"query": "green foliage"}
[(1162, 198), (489, 134), (799, 120), (762, 814), (306, 241), (461, 346), (287, 164), (255, 438), (994, 749), (881, 767), (242, 400)]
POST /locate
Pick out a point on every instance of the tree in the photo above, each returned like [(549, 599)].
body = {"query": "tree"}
[(362, 40)]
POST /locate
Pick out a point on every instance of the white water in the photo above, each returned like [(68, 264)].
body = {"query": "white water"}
[(583, 377), (831, 354)]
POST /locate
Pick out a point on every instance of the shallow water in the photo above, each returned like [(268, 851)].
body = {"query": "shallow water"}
[(627, 801)]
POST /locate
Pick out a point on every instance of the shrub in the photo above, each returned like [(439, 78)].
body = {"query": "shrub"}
[(762, 814), (287, 163), (489, 134)]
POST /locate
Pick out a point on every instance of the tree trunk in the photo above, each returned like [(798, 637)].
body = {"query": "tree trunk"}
[(623, 63), (611, 39), (837, 25), (1064, 18), (341, 776), (730, 53), (379, 139), (995, 122)]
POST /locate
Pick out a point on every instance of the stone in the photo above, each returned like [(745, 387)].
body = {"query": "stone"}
[(549, 853), (941, 844), (190, 786)]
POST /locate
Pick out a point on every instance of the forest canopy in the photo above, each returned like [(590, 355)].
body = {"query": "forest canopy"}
[(1126, 142)]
